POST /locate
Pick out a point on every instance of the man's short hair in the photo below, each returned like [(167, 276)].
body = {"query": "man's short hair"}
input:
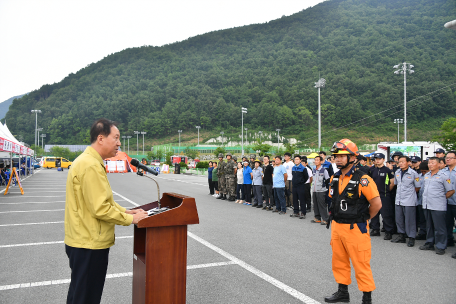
[(319, 157), (279, 157), (297, 156), (407, 159), (304, 158), (390, 161), (287, 154), (266, 156), (437, 159), (101, 127), (424, 165), (451, 152), (322, 152), (442, 159)]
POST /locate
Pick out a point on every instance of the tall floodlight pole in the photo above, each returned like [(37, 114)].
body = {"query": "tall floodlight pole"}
[(179, 131), (243, 111), (403, 68), (128, 138), (398, 121), (137, 141), (143, 133), (124, 140), (278, 130), (198, 127), (222, 136), (36, 122), (246, 136), (42, 141), (38, 136), (319, 84)]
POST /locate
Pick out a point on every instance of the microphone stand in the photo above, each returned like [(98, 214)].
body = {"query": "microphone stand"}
[(158, 190)]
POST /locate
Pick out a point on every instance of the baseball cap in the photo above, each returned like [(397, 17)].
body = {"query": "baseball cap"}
[(415, 159), (379, 155), (439, 150)]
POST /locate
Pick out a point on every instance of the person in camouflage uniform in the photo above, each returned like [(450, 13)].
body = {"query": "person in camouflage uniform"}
[(230, 177), (235, 175), (252, 161), (221, 177)]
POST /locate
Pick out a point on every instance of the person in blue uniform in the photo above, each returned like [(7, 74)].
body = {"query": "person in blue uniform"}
[(451, 207), (408, 183), (416, 161), (383, 178), (421, 219), (437, 189), (300, 176), (439, 153)]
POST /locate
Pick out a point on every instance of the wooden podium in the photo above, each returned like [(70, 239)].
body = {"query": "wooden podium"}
[(160, 251)]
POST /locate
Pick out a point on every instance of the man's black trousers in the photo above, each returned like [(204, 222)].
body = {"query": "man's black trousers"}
[(88, 273)]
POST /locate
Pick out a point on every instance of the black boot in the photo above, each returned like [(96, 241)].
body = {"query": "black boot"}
[(341, 295), (223, 197), (367, 298), (399, 239)]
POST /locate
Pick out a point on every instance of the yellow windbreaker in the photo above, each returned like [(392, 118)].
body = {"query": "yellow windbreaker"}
[(90, 210)]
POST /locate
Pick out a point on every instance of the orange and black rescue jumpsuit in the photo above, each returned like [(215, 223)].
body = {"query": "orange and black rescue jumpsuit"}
[(355, 243)]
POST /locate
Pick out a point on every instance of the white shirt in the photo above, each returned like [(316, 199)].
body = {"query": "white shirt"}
[(289, 166), (309, 172)]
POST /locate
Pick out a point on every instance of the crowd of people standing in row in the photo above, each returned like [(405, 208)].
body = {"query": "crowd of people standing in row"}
[(417, 196)]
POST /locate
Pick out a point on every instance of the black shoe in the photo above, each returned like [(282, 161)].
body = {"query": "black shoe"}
[(294, 215), (439, 251), (427, 246), (303, 216), (232, 198), (220, 196), (223, 197), (341, 295), (260, 206), (399, 239), (276, 210), (420, 237), (450, 243), (411, 242), (388, 236), (270, 208), (383, 229), (254, 205), (282, 212), (367, 298), (375, 232), (454, 256)]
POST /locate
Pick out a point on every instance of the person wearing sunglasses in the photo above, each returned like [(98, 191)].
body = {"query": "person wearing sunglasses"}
[(355, 200)]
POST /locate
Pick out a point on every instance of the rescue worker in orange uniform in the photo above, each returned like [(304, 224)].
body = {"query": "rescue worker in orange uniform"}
[(354, 200)]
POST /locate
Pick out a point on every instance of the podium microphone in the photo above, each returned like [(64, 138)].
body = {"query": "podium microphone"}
[(138, 165)]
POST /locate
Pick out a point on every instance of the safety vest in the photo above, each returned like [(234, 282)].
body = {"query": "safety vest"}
[(349, 207)]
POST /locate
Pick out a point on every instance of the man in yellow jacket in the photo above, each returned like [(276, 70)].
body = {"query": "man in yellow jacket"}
[(91, 213)]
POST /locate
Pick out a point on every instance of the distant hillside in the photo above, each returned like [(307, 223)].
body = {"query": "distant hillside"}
[(5, 105), (270, 69)]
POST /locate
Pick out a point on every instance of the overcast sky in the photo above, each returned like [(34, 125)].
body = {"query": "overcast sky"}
[(42, 41)]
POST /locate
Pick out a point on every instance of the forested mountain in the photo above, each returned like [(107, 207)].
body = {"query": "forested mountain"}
[(270, 69), (4, 105)]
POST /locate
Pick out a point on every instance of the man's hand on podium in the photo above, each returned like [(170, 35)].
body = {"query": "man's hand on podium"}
[(138, 215)]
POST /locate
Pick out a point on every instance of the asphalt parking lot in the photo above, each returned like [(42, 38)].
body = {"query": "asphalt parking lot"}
[(237, 254)]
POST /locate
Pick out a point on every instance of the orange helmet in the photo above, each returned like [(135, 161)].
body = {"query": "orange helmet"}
[(344, 146)]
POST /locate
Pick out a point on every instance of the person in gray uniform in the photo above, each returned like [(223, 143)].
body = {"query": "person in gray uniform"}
[(451, 207), (437, 189), (408, 184), (257, 183)]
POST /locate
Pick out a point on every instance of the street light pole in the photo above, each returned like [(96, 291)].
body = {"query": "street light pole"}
[(128, 138), (403, 68), (278, 130), (36, 122), (38, 130), (319, 84), (179, 131), (142, 132), (198, 127), (137, 141), (243, 111), (398, 121)]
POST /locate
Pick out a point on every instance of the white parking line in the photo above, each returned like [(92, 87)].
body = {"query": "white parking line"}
[(32, 211), (26, 224), (21, 203), (21, 182), (178, 180), (50, 243), (108, 276), (291, 291)]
